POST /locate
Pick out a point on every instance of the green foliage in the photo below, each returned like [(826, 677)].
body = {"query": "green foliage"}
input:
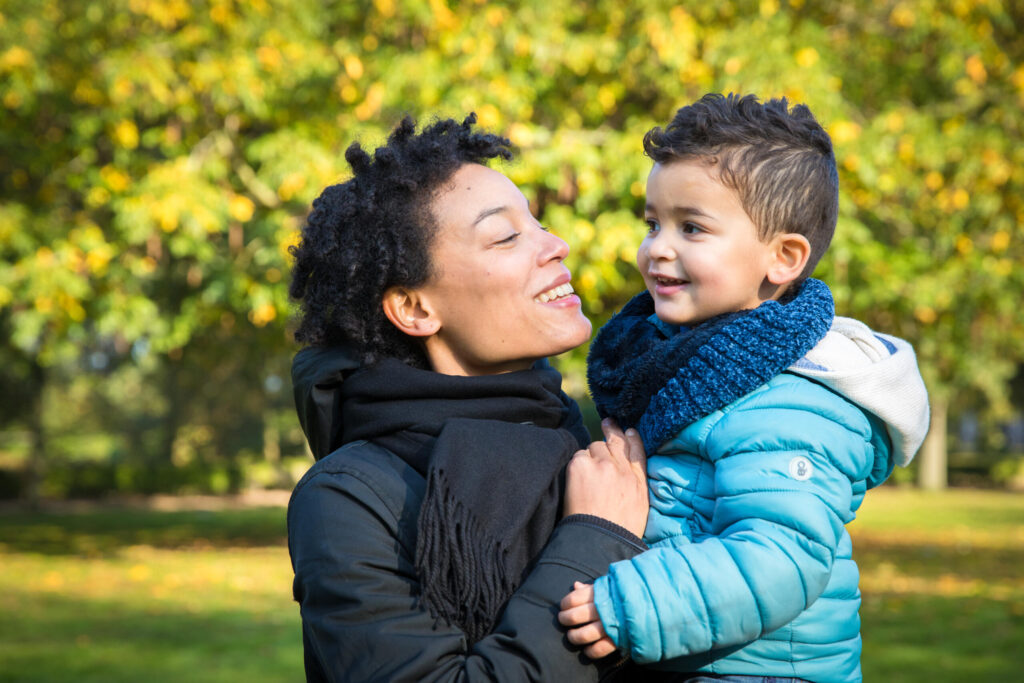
[(159, 156)]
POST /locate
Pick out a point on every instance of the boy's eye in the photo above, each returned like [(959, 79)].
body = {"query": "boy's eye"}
[(689, 228), (652, 225)]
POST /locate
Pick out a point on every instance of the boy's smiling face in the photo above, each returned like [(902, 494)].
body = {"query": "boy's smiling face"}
[(702, 256)]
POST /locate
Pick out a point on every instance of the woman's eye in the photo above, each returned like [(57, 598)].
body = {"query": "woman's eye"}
[(508, 240)]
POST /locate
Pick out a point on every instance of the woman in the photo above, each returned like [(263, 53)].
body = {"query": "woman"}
[(432, 540)]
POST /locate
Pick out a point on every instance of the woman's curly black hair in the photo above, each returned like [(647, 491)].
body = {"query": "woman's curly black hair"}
[(375, 231)]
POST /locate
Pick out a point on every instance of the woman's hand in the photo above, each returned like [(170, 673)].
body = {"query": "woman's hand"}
[(609, 480)]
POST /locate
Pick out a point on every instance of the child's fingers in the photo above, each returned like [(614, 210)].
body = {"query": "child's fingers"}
[(582, 614), (581, 594), (600, 649), (586, 634)]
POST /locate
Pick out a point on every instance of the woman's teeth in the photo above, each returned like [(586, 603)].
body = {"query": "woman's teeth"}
[(556, 293)]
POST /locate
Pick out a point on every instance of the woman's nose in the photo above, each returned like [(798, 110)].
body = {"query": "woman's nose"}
[(553, 247)]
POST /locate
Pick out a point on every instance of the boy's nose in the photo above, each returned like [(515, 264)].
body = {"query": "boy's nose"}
[(660, 248)]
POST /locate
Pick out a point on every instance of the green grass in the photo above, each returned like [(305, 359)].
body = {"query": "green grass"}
[(942, 578), (139, 595), (120, 594)]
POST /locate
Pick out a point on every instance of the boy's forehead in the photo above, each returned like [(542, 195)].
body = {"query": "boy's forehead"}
[(707, 164)]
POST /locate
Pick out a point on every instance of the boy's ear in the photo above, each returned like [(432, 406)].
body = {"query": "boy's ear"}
[(410, 312), (791, 251)]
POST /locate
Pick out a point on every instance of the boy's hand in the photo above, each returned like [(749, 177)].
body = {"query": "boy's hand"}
[(580, 614)]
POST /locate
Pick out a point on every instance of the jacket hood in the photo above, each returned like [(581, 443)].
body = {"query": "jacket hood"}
[(879, 373), (317, 376)]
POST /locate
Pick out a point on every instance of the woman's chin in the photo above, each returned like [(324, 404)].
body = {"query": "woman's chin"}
[(573, 335)]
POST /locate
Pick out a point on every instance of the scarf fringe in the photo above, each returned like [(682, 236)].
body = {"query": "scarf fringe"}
[(462, 570)]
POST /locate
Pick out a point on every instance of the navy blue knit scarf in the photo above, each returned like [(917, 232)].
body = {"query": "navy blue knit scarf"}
[(647, 377)]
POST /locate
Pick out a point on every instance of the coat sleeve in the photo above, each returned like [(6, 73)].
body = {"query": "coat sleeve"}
[(356, 586), (785, 474)]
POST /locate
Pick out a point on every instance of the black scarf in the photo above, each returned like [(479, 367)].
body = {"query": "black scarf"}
[(493, 450)]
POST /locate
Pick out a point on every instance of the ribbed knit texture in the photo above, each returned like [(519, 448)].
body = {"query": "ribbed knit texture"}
[(659, 384)]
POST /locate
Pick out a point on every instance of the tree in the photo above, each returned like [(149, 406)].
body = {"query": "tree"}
[(162, 154)]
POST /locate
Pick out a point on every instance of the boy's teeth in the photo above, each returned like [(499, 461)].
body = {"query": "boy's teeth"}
[(555, 293)]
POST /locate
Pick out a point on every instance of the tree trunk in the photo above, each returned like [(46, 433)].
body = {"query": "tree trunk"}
[(36, 468), (932, 462)]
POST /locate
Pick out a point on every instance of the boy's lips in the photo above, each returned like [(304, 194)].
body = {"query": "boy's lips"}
[(665, 285)]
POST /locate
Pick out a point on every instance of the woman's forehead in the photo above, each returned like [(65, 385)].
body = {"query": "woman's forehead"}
[(474, 194)]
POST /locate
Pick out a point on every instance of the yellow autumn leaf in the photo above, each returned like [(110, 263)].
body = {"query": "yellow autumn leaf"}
[(1000, 241), (961, 198), (15, 57), (262, 314), (385, 7), (353, 67), (241, 208), (115, 179), (139, 572), (269, 57), (126, 134), (975, 69), (845, 131), (807, 57), (925, 314), (902, 16), (488, 116), (292, 183)]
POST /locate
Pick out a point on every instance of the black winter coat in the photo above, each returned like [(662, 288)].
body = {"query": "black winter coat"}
[(352, 524), (352, 538)]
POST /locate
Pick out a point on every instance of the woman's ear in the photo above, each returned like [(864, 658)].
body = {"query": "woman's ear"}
[(791, 252), (410, 312)]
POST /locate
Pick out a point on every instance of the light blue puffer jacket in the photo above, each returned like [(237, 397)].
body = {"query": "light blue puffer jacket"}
[(750, 569)]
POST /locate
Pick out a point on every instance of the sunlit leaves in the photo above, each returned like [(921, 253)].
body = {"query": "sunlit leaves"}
[(159, 155)]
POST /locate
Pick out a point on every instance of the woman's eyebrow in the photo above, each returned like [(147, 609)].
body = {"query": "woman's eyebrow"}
[(489, 212)]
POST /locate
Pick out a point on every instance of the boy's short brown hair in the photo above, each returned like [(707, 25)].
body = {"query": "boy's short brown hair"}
[(778, 160)]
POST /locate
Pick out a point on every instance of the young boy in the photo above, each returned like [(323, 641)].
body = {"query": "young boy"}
[(765, 417)]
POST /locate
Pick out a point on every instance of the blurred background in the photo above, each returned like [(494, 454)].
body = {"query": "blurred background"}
[(157, 158)]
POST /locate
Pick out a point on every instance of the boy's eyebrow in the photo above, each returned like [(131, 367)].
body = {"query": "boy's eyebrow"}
[(684, 210)]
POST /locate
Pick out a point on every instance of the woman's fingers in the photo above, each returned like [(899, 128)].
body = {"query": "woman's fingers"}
[(613, 435), (635, 452), (608, 481)]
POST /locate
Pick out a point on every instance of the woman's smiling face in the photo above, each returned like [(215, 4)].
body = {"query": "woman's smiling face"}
[(500, 290)]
